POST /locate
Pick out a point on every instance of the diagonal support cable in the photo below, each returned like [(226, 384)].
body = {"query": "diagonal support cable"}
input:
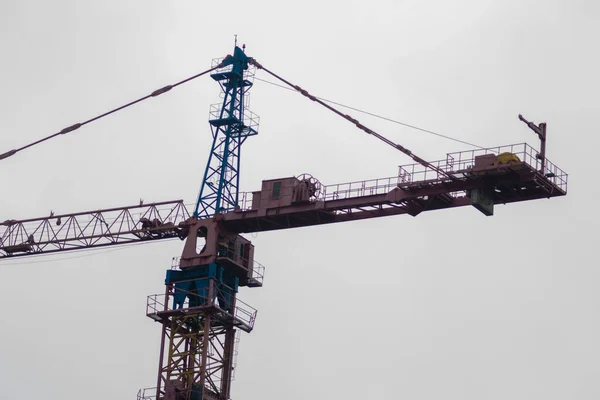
[(395, 121), (355, 122), (78, 125)]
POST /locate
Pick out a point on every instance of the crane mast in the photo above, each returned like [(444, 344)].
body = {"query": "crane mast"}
[(199, 311)]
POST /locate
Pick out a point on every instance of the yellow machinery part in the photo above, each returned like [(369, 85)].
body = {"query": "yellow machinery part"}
[(506, 158)]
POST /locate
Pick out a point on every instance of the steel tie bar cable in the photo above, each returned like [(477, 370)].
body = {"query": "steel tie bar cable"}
[(78, 125), (354, 121), (380, 116)]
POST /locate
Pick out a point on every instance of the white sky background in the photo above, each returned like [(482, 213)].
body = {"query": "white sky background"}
[(449, 304)]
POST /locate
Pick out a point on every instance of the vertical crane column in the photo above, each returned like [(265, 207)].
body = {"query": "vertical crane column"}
[(200, 312)]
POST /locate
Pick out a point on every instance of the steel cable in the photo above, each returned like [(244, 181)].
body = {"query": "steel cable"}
[(380, 116), (78, 125), (347, 117)]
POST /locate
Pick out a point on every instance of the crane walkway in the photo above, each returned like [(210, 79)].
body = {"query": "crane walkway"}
[(497, 175), (160, 307), (459, 165)]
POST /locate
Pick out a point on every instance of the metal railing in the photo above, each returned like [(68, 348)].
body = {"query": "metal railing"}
[(146, 394), (223, 294), (339, 191), (250, 119), (245, 200), (258, 272), (359, 188), (457, 164), (155, 303), (464, 160), (248, 73), (245, 313), (150, 393)]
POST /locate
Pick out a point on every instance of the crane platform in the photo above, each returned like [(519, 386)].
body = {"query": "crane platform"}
[(482, 178), (161, 307)]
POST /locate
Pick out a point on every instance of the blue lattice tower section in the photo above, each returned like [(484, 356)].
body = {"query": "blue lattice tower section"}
[(231, 124)]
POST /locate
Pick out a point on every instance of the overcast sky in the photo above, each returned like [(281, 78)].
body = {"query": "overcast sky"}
[(448, 305)]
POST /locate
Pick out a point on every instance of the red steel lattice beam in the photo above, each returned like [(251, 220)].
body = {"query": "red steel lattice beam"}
[(92, 229)]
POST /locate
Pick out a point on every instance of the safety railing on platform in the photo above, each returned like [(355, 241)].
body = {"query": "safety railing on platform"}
[(155, 303), (222, 298), (251, 120), (244, 312), (359, 188), (465, 160), (460, 163), (150, 393), (258, 272), (555, 175), (146, 394), (245, 201), (456, 164), (248, 73), (340, 191)]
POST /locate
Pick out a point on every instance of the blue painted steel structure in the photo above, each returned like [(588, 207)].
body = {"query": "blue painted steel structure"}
[(219, 190)]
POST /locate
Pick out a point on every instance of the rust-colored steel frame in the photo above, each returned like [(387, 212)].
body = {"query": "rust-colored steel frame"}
[(92, 229), (200, 357), (197, 345), (415, 189)]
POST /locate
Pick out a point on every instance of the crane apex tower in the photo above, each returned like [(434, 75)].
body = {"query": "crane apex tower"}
[(231, 124)]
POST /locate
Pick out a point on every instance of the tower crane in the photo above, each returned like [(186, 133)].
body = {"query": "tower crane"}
[(199, 312)]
